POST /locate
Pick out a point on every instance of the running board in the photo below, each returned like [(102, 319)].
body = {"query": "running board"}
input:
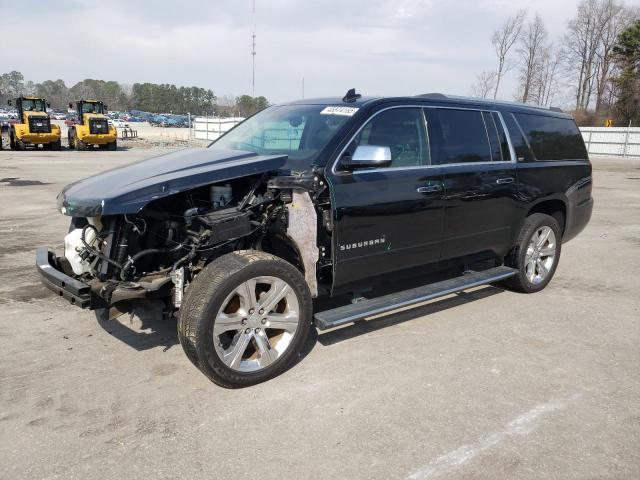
[(386, 303)]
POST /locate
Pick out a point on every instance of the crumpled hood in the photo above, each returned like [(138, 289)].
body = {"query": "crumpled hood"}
[(128, 189)]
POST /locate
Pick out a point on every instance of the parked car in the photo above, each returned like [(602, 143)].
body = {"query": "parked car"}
[(116, 122), (324, 198)]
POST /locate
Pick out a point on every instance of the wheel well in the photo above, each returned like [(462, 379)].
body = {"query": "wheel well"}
[(282, 247), (554, 208)]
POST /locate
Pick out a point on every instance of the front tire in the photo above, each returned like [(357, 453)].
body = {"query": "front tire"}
[(71, 138), (536, 254), (245, 318)]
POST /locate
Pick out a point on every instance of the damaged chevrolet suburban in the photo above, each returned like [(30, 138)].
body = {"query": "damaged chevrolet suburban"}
[(323, 198)]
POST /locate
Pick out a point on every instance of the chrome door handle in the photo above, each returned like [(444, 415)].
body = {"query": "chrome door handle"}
[(429, 189), (502, 181)]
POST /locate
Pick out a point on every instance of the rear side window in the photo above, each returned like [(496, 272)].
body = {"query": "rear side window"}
[(502, 137), (523, 152), (497, 138), (552, 138), (462, 135)]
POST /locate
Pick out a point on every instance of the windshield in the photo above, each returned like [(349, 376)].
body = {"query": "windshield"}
[(299, 131), (30, 105), (91, 108)]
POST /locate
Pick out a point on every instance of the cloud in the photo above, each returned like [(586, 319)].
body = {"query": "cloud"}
[(380, 47)]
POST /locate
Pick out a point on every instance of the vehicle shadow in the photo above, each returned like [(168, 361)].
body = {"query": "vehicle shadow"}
[(143, 327), (146, 326)]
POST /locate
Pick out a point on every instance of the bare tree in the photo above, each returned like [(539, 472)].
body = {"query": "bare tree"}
[(503, 40), (583, 41), (484, 85), (615, 18), (533, 48), (548, 84)]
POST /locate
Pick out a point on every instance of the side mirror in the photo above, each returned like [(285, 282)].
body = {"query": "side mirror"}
[(368, 156), (71, 106), (48, 105), (9, 103)]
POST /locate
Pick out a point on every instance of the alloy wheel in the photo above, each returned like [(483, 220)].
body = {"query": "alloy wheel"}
[(540, 255), (256, 323)]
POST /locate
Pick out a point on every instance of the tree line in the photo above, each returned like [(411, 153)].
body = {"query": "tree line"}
[(593, 68), (149, 97)]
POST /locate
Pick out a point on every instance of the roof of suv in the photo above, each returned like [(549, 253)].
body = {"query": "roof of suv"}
[(435, 98)]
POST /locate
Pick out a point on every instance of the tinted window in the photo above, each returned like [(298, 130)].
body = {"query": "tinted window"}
[(400, 129), (523, 152), (462, 136), (502, 137), (552, 138)]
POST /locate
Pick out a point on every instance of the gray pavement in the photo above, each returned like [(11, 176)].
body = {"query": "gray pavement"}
[(489, 384)]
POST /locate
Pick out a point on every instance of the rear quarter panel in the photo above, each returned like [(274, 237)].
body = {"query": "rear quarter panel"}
[(569, 181)]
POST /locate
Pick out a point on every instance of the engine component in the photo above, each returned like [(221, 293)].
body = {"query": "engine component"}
[(226, 224), (221, 195), (79, 257)]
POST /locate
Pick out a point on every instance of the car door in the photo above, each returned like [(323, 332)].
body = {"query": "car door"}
[(387, 219), (480, 187)]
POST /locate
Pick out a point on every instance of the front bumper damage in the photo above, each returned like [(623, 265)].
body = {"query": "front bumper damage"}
[(94, 293), (76, 292)]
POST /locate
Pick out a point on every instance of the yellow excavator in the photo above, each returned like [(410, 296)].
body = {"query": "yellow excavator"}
[(92, 127), (34, 125)]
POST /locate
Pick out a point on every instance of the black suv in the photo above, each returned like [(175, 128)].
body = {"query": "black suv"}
[(322, 198)]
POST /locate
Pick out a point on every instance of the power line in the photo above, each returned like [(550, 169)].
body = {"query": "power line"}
[(253, 53)]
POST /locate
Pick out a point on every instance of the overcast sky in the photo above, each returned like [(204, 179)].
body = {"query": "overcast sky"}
[(381, 47)]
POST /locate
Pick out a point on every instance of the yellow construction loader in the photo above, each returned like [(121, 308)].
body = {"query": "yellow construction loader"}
[(92, 127), (34, 125)]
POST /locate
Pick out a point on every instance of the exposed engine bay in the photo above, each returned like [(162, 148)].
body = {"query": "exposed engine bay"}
[(158, 251)]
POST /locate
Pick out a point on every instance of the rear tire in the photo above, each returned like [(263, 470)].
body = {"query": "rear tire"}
[(233, 329), (112, 145), (57, 145), (536, 254)]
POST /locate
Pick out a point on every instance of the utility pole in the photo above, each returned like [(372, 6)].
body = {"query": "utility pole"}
[(253, 53)]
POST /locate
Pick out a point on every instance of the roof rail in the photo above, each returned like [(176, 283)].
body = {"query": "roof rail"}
[(556, 109), (432, 95)]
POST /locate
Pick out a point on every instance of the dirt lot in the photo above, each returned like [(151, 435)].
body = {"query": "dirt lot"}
[(488, 384)]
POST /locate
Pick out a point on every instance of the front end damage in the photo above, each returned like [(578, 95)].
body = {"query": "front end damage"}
[(116, 258)]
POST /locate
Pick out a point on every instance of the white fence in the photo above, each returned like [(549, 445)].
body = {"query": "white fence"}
[(210, 128), (614, 141)]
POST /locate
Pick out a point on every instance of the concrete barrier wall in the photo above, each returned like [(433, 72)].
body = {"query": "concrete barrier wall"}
[(614, 141)]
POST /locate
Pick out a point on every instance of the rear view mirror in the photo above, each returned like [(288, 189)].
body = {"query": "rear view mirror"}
[(368, 156)]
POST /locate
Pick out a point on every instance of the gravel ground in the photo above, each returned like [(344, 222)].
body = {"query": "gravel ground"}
[(486, 384)]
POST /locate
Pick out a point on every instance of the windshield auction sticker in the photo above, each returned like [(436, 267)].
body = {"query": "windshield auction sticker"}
[(345, 111)]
